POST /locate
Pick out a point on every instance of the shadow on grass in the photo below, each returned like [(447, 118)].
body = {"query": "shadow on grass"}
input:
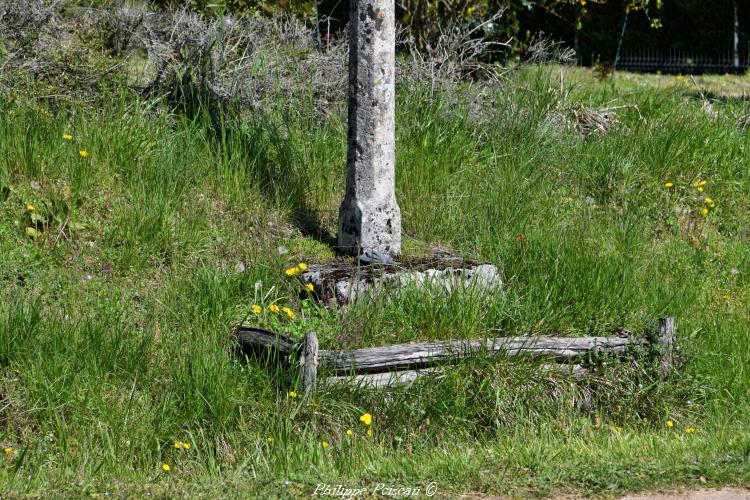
[(255, 150), (278, 165)]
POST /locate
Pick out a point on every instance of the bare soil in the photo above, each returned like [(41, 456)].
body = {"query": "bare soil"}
[(721, 494), (703, 494)]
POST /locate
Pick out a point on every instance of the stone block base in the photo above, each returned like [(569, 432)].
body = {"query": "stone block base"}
[(345, 282)]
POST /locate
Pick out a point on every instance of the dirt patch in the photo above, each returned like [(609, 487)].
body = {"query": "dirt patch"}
[(721, 494), (704, 494)]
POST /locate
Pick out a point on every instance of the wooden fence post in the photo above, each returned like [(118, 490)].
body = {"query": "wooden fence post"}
[(665, 346), (309, 361)]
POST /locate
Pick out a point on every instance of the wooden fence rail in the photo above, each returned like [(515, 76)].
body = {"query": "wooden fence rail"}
[(402, 363)]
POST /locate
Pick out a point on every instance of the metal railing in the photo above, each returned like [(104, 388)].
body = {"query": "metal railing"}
[(649, 60)]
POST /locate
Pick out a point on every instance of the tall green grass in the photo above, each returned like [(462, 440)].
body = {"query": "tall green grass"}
[(114, 337)]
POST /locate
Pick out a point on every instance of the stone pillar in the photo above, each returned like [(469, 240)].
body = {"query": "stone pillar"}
[(369, 218)]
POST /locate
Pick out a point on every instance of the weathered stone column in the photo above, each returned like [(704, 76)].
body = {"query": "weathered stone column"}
[(369, 218)]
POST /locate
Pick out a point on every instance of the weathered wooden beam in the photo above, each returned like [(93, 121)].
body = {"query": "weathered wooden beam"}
[(665, 346), (402, 364), (260, 342), (387, 379), (419, 355), (309, 362), (408, 377), (575, 371), (416, 355)]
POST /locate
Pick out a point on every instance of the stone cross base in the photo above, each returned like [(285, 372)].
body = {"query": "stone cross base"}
[(373, 224), (345, 282)]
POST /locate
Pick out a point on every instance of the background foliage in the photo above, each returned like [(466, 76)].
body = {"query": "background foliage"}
[(592, 27), (303, 9)]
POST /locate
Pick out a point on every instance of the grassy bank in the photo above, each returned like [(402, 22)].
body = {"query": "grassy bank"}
[(115, 309)]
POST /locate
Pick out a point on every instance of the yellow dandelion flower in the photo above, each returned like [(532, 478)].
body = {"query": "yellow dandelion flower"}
[(178, 444), (324, 444), (690, 430), (668, 184), (31, 208), (369, 433), (83, 153), (166, 467), (700, 189), (709, 200), (256, 309), (366, 419), (67, 137), (616, 428), (670, 424), (270, 440), (704, 212), (310, 287), (186, 446), (349, 432), (302, 266), (702, 183), (288, 312), (712, 205), (292, 394), (8, 450), (293, 271), (274, 308)]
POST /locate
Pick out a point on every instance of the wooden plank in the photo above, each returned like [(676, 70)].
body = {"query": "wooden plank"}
[(575, 371), (666, 346), (309, 361), (406, 378), (257, 341), (418, 355), (387, 379), (421, 355)]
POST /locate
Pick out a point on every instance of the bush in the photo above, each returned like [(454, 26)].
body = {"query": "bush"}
[(304, 9)]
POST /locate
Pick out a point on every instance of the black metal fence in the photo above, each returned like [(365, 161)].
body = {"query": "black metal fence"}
[(649, 60)]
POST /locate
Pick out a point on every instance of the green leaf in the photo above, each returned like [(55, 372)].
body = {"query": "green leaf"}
[(33, 233)]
